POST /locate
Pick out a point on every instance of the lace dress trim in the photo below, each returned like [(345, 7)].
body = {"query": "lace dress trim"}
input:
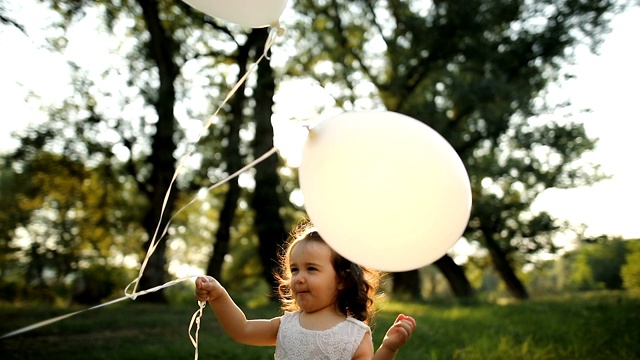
[(336, 343)]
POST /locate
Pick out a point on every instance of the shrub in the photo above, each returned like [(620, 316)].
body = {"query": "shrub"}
[(631, 270)]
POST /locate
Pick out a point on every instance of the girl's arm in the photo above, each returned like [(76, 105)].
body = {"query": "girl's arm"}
[(397, 335), (261, 332), (365, 349)]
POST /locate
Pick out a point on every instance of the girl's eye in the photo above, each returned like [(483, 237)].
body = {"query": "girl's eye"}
[(294, 270), (311, 268)]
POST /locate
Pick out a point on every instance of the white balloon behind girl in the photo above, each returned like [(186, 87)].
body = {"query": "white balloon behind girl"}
[(384, 190)]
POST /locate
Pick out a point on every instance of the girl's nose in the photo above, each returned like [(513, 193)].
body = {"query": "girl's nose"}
[(299, 279)]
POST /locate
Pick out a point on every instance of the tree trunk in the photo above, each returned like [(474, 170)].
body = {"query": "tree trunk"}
[(161, 50), (266, 201), (503, 267), (407, 285), (233, 160), (458, 282), (223, 234)]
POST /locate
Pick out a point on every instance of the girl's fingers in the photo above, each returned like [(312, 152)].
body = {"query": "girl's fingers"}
[(409, 319), (202, 293), (205, 285), (203, 280), (405, 327)]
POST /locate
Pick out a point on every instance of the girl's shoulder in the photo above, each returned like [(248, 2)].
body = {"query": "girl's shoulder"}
[(289, 317), (358, 323), (290, 314)]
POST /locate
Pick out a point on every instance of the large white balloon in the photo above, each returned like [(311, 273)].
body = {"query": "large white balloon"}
[(384, 190), (249, 13)]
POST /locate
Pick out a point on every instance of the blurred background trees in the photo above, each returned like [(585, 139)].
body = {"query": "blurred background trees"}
[(83, 194)]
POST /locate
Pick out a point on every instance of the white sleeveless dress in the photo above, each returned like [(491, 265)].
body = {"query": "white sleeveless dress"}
[(337, 343)]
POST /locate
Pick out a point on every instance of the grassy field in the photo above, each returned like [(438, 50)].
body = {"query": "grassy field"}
[(603, 325)]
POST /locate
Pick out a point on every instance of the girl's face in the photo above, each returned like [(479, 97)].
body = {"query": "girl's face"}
[(314, 282)]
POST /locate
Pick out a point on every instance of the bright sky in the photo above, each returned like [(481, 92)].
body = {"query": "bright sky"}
[(608, 84)]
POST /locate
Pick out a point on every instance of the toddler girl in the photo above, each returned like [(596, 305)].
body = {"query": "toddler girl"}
[(327, 302)]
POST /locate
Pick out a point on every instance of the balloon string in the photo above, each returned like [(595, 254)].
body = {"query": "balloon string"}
[(255, 162), (196, 319), (276, 31), (62, 317)]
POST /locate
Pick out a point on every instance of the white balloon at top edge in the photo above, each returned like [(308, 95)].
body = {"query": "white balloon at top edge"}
[(249, 13), (384, 190)]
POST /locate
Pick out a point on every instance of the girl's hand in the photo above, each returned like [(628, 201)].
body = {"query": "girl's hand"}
[(399, 333), (208, 289)]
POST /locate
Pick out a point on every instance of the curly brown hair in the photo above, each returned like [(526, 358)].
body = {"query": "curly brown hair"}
[(359, 284)]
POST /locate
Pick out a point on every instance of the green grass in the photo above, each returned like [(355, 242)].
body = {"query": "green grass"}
[(603, 325)]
